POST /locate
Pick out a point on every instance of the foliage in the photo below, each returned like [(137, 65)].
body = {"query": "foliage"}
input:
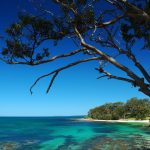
[(137, 108), (133, 108), (137, 27), (103, 31)]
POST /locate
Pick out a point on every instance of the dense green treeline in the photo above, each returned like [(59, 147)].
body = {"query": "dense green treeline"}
[(133, 108)]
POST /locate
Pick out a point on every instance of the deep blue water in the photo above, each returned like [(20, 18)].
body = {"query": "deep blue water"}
[(68, 133)]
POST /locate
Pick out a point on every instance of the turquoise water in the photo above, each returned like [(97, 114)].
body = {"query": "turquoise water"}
[(67, 133)]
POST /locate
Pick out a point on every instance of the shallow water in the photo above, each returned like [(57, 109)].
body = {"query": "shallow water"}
[(66, 133)]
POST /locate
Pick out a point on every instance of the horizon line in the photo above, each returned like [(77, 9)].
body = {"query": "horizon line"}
[(46, 116)]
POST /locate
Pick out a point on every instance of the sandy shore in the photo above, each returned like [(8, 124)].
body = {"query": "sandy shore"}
[(121, 120)]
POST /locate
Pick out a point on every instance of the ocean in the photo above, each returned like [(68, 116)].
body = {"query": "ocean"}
[(68, 133)]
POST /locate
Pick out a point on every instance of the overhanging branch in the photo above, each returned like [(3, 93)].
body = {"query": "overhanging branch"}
[(57, 71), (45, 61), (107, 57), (110, 76), (129, 54), (132, 57)]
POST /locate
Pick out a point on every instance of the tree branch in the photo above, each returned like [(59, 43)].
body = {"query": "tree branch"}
[(61, 56), (135, 11), (129, 54), (137, 64), (48, 60), (52, 81), (144, 88), (114, 20), (106, 57), (57, 71), (139, 81), (110, 76)]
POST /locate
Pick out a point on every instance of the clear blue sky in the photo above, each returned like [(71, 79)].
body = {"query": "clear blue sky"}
[(74, 92)]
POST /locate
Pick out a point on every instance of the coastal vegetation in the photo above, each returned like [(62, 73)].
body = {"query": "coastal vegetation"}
[(133, 109), (105, 32)]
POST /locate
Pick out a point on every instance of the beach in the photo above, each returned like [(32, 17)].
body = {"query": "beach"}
[(117, 121)]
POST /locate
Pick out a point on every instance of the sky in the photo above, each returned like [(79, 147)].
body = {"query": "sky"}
[(74, 92)]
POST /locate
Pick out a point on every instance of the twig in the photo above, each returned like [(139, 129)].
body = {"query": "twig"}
[(51, 82)]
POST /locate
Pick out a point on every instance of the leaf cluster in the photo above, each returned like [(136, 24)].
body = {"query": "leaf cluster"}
[(137, 27)]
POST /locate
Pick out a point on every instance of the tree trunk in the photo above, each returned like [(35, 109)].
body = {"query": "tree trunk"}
[(145, 91)]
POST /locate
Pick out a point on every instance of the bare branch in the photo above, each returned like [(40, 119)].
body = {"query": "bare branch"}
[(114, 20), (57, 71), (132, 57), (139, 81), (102, 76), (144, 89), (61, 56), (51, 81), (48, 60), (129, 54), (110, 76), (107, 58)]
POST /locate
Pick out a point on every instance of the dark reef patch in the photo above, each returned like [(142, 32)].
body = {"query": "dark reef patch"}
[(104, 130)]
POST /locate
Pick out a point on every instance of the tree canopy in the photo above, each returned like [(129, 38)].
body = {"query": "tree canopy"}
[(133, 108), (103, 31)]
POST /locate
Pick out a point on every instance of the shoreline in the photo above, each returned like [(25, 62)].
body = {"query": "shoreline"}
[(113, 121)]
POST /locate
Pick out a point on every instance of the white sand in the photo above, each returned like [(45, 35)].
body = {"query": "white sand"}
[(121, 120)]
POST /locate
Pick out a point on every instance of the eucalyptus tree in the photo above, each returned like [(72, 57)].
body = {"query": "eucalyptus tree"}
[(134, 108), (138, 108), (108, 111), (104, 31)]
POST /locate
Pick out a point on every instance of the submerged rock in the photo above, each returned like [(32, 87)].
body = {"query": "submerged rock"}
[(107, 143), (9, 146), (99, 143), (18, 146)]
